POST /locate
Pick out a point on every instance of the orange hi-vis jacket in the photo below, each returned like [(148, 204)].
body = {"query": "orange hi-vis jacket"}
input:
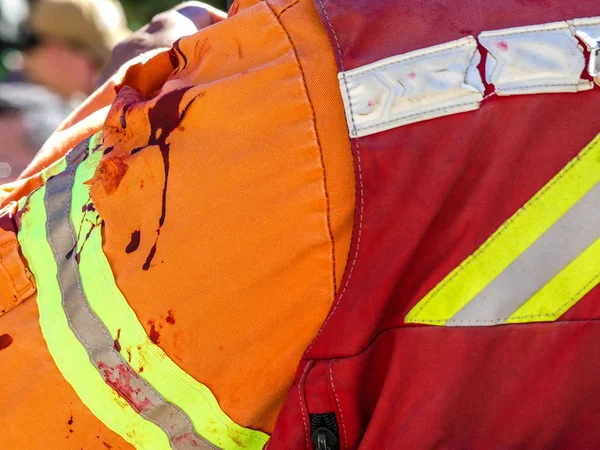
[(168, 300), (323, 225)]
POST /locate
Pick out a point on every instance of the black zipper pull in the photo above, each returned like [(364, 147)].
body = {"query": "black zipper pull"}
[(324, 431)]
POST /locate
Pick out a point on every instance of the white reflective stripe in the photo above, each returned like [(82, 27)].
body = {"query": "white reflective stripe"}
[(534, 60), (416, 86), (588, 30)]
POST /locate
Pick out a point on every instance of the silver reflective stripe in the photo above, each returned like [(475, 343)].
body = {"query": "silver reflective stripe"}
[(570, 236), (93, 335)]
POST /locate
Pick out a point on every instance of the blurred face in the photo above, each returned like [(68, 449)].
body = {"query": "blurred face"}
[(61, 68)]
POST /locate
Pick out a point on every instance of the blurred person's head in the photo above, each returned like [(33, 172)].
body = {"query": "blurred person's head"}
[(71, 42)]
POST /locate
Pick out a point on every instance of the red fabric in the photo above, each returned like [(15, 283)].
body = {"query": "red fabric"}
[(428, 195)]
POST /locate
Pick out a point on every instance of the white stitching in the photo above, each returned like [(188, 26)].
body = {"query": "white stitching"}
[(422, 53), (361, 189), (303, 413), (402, 118), (337, 400)]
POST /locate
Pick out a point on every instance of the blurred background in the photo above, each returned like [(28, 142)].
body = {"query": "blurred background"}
[(139, 12), (51, 54)]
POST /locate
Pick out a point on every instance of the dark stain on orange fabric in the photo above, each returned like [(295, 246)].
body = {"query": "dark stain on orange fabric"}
[(70, 422), (108, 446), (154, 334), (164, 117), (134, 243), (171, 318), (111, 172), (6, 341)]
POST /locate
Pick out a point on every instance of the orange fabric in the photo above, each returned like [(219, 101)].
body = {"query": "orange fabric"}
[(16, 282), (257, 217), (38, 408), (244, 262)]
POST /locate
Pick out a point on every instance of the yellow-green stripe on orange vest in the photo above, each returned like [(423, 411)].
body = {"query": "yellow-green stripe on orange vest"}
[(84, 311)]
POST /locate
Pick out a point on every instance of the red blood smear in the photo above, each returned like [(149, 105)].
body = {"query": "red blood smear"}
[(164, 117), (503, 46), (5, 341), (187, 438), (119, 378), (154, 334), (117, 344), (134, 243), (171, 318)]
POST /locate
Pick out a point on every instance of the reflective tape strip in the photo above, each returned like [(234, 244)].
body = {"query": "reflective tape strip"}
[(443, 80), (90, 331), (104, 297), (181, 413), (534, 59), (564, 241), (588, 30), (70, 356), (537, 265), (416, 86)]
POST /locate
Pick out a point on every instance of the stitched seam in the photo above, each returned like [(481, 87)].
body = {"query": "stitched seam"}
[(506, 225), (360, 72), (496, 34), (303, 412), (322, 159), (286, 8), (361, 196), (577, 83), (337, 400), (559, 311), (400, 119), (8, 276)]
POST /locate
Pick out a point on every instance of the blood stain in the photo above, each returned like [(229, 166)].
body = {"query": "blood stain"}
[(88, 208), (117, 344), (119, 378), (70, 422), (6, 341), (108, 446), (164, 118), (134, 243), (154, 334), (502, 46), (171, 318), (112, 171)]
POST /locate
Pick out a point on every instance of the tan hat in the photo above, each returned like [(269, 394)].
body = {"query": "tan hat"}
[(96, 25)]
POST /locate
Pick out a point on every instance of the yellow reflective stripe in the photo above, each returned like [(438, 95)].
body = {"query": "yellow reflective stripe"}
[(108, 303), (510, 241), (54, 169), (565, 289), (71, 358)]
